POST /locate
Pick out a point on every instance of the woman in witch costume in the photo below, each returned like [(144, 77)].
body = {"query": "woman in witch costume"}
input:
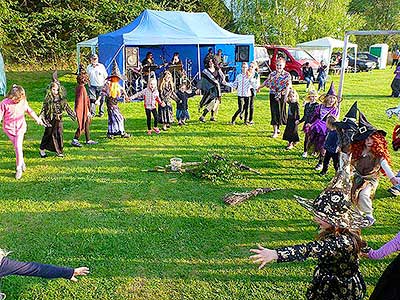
[(388, 287), (370, 157), (337, 248), (113, 91), (54, 104), (316, 130)]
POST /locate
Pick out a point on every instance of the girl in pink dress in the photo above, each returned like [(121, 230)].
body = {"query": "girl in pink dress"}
[(12, 112)]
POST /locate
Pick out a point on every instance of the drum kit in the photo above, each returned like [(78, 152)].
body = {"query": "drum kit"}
[(137, 78)]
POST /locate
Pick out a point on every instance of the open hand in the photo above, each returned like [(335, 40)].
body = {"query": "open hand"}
[(263, 256), (81, 271)]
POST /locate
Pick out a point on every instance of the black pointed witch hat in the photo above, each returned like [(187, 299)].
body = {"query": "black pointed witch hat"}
[(349, 120), (365, 129)]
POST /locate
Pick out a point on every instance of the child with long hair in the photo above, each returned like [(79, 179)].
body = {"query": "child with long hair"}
[(370, 157), (310, 105), (12, 112), (54, 104), (151, 98), (316, 130), (82, 109), (256, 79), (112, 92), (337, 249), (291, 133), (167, 93)]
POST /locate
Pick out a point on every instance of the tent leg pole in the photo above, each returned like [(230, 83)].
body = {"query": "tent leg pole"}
[(342, 69), (198, 60)]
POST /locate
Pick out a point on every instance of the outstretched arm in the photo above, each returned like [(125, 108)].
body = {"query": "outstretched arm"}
[(11, 267), (390, 247)]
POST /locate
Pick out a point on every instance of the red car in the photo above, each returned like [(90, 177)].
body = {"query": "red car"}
[(295, 59)]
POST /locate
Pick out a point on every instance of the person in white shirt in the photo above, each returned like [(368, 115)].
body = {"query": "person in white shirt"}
[(97, 78), (243, 84)]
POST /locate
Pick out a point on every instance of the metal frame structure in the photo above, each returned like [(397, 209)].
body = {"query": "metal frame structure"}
[(346, 41)]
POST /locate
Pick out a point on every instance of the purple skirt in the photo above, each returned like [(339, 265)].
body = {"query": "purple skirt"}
[(316, 135)]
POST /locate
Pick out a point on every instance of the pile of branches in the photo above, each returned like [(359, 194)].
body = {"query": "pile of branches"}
[(236, 198), (214, 167)]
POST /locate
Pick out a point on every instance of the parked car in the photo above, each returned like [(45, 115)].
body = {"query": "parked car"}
[(368, 56), (262, 58), (361, 64), (295, 59)]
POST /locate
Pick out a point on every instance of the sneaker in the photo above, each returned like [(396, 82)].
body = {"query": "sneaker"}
[(304, 155), (149, 132), (42, 153), (110, 136), (91, 142), (125, 135), (18, 174), (156, 130), (76, 143), (212, 119), (231, 123), (318, 167), (275, 135), (395, 190), (100, 115), (60, 155), (368, 221), (180, 123), (289, 147), (201, 119), (251, 123)]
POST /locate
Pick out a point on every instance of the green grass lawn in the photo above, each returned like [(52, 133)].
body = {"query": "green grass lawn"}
[(170, 236)]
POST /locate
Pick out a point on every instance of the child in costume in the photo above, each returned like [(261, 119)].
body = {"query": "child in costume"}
[(182, 112), (167, 94), (370, 157), (388, 287), (11, 267), (112, 92), (82, 109), (54, 104), (310, 105), (243, 84), (291, 133), (337, 248), (331, 146), (151, 97), (316, 130), (12, 112)]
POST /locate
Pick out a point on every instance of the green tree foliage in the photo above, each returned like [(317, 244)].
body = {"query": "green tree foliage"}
[(48, 30), (293, 21), (377, 15)]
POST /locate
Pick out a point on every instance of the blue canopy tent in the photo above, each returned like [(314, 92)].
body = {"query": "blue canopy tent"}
[(3, 82), (166, 32)]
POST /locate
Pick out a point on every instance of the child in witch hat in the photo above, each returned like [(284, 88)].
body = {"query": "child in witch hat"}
[(370, 157), (316, 130), (112, 92), (337, 248)]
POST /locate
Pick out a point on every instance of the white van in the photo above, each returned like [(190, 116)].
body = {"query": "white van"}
[(262, 58)]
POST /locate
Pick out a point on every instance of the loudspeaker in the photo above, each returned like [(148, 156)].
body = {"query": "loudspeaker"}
[(131, 57), (242, 53)]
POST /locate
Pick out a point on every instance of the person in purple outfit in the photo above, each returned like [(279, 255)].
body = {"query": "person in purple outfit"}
[(316, 130), (396, 82), (388, 287)]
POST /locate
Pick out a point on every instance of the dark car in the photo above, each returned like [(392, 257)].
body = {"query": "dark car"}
[(362, 64), (368, 56)]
